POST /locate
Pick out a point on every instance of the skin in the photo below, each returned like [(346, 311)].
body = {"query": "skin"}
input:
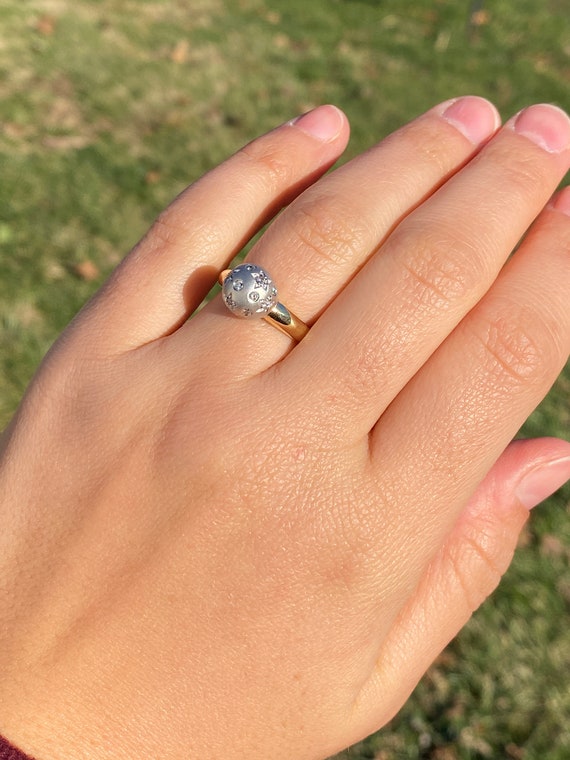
[(217, 543)]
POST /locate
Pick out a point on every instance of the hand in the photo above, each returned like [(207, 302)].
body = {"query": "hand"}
[(217, 542)]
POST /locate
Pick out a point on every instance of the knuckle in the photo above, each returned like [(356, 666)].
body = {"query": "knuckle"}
[(364, 370), (523, 170), (162, 232), (517, 344), (270, 164), (333, 234), (429, 146), (476, 569), (439, 270), (171, 229)]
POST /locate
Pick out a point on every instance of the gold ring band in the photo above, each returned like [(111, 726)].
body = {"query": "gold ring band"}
[(284, 319)]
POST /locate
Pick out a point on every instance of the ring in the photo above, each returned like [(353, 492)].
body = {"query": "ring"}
[(248, 291)]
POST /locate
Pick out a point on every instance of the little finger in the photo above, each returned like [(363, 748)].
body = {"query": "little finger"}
[(465, 570)]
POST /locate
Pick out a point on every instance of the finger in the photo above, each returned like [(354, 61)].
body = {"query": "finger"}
[(331, 230), (465, 570), (446, 428), (431, 271), (327, 234), (167, 275)]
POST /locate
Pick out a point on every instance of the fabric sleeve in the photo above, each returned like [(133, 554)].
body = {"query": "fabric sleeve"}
[(9, 752)]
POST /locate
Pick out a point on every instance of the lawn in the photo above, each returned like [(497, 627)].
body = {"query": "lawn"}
[(108, 108)]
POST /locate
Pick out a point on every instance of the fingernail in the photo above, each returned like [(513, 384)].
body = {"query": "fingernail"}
[(324, 122), (546, 125), (542, 481), (474, 117), (561, 201)]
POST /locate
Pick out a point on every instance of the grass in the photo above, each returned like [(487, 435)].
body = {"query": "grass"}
[(109, 108)]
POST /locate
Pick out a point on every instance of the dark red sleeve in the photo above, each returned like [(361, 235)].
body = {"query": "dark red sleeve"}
[(9, 752)]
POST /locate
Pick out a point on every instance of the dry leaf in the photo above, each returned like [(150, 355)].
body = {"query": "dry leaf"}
[(45, 25), (273, 17), (66, 142), (180, 52), (444, 753), (26, 313), (515, 752), (480, 18), (86, 270), (552, 546), (525, 537), (53, 270), (281, 41), (152, 177)]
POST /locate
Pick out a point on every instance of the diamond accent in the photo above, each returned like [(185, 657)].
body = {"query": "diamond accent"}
[(261, 280)]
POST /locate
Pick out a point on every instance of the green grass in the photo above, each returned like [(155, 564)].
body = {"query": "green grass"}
[(109, 108)]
